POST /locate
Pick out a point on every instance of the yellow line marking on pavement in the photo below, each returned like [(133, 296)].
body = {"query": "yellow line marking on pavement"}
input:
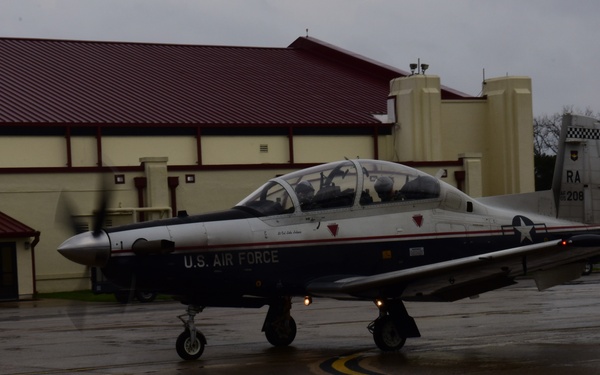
[(340, 365)]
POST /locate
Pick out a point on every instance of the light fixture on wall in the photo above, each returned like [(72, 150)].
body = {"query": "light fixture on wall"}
[(413, 67), (190, 178), (119, 179)]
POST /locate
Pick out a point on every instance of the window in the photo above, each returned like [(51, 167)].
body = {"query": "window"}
[(269, 199), (388, 182), (328, 186)]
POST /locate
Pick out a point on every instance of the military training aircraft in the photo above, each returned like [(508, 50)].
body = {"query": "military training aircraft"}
[(364, 230)]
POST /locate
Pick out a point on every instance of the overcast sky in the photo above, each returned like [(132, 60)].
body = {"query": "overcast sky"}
[(553, 42)]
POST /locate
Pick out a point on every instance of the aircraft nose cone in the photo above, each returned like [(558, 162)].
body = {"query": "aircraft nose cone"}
[(87, 249)]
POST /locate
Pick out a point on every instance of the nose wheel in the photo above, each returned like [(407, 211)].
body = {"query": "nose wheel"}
[(190, 348), (190, 343)]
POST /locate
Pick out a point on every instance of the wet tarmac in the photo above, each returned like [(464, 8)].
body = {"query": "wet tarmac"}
[(516, 330)]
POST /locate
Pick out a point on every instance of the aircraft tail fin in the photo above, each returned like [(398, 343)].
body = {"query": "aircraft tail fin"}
[(576, 182)]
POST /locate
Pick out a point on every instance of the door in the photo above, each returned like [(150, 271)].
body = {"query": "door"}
[(9, 283)]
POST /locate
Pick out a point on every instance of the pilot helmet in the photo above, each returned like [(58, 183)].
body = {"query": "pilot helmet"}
[(304, 190), (384, 187)]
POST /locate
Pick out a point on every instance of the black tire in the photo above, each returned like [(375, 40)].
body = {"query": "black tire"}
[(145, 296), (187, 349), (386, 335), (587, 270), (281, 333)]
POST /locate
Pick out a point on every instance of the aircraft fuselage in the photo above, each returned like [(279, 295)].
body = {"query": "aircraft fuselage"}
[(251, 256)]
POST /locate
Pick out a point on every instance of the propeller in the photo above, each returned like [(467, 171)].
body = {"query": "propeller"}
[(102, 205), (65, 214), (104, 199), (90, 248)]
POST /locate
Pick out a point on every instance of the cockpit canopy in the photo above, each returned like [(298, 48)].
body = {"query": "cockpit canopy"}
[(341, 184)]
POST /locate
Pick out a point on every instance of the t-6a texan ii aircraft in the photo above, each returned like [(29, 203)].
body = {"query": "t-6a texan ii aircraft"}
[(364, 230)]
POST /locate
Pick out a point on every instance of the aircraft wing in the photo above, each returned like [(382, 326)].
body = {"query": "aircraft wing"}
[(550, 263)]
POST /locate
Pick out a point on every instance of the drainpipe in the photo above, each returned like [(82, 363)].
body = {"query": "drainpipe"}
[(69, 151), (36, 240), (376, 142), (291, 144)]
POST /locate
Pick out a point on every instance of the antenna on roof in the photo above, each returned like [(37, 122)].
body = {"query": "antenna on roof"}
[(483, 82), (307, 32)]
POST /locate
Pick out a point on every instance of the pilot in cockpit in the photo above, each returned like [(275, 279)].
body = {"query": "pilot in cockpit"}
[(384, 186), (305, 193)]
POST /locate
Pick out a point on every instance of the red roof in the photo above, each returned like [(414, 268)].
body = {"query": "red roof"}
[(11, 228), (80, 82)]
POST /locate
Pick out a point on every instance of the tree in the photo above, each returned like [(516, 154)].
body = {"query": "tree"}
[(546, 132)]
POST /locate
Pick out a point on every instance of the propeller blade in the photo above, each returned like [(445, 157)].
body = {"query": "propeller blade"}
[(64, 213), (101, 205), (99, 217)]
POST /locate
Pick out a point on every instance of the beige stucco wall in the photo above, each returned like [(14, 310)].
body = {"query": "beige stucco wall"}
[(24, 267), (220, 150), (127, 150), (508, 159), (418, 114), (226, 150), (317, 149), (28, 151), (83, 151), (499, 127), (462, 129)]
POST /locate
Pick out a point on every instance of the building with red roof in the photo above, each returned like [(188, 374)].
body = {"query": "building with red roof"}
[(198, 127)]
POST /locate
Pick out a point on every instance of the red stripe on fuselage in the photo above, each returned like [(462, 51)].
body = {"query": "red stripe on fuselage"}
[(434, 235)]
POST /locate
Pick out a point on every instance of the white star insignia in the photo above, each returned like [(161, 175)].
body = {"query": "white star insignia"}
[(525, 231)]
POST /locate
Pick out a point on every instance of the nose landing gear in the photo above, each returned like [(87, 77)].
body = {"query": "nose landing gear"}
[(190, 343)]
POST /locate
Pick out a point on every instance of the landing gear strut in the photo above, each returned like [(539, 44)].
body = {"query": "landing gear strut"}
[(279, 326), (393, 326), (190, 343)]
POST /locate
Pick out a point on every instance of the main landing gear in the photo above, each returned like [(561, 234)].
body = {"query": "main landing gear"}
[(190, 343), (393, 326), (279, 328), (390, 330)]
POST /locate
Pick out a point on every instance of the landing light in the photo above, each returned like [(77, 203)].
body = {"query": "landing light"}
[(378, 302), (307, 300)]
